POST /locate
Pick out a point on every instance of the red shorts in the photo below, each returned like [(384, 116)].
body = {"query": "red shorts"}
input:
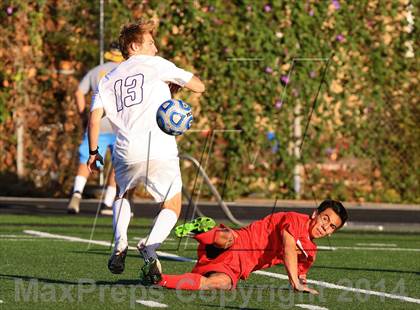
[(226, 262)]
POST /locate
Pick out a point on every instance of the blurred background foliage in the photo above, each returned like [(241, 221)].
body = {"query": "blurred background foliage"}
[(262, 63)]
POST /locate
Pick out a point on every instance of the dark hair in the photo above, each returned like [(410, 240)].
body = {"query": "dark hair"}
[(336, 206), (114, 45), (134, 32)]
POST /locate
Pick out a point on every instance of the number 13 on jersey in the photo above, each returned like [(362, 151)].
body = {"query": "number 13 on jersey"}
[(129, 92)]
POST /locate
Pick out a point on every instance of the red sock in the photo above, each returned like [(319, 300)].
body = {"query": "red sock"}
[(186, 281), (207, 237)]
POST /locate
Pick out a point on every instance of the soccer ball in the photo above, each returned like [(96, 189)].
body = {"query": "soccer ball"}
[(174, 117)]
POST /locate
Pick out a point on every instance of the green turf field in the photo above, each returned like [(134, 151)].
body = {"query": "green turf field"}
[(46, 273)]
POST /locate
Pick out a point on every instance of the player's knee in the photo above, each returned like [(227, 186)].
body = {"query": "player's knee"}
[(223, 285), (222, 282)]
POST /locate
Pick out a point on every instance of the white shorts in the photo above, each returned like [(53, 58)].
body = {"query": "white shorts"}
[(162, 178)]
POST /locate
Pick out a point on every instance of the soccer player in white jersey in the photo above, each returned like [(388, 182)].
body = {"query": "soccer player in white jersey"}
[(130, 96), (106, 136)]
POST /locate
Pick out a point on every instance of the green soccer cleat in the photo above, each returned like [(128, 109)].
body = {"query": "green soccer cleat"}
[(197, 226)]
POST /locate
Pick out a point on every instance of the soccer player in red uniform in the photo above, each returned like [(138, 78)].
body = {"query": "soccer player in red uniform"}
[(226, 255)]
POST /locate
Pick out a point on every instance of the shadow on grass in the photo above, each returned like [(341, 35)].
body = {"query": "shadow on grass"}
[(82, 281)]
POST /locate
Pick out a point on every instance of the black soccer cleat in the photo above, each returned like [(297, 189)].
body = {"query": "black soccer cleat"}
[(151, 272), (116, 262)]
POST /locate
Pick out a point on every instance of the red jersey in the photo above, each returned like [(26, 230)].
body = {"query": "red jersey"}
[(260, 245)]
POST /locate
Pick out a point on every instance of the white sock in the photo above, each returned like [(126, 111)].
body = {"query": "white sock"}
[(111, 191), (164, 223), (120, 221), (79, 184)]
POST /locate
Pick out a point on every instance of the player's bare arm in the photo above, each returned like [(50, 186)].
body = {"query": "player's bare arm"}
[(195, 85), (80, 101), (93, 133), (291, 264), (291, 259)]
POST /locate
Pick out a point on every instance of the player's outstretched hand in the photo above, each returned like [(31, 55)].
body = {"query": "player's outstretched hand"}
[(311, 291), (306, 289), (91, 163)]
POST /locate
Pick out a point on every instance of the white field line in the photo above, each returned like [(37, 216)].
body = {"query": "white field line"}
[(377, 244), (260, 272), (104, 243), (311, 307), (22, 239), (139, 238), (335, 248), (151, 303), (328, 248), (341, 287), (376, 249), (13, 236)]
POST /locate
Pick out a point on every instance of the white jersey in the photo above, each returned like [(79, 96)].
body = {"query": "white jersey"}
[(131, 95), (91, 81)]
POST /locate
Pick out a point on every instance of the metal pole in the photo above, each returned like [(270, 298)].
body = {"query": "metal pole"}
[(297, 135), (101, 61), (101, 31), (20, 166), (213, 190), (410, 21)]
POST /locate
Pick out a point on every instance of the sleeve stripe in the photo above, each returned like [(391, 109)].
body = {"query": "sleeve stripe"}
[(299, 244)]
